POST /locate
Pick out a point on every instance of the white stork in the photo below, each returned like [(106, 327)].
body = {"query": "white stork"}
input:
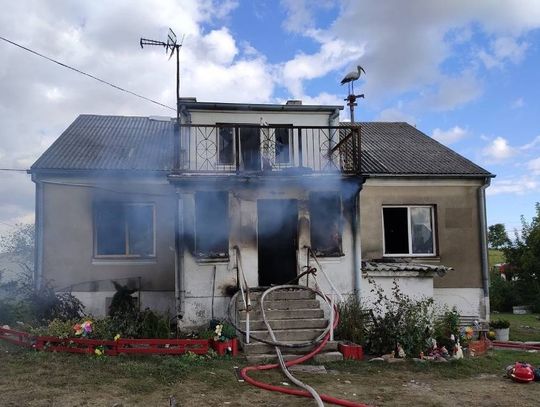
[(351, 77)]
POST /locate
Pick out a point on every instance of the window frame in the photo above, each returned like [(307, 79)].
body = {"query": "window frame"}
[(211, 257), (231, 127), (340, 220), (126, 255), (433, 212)]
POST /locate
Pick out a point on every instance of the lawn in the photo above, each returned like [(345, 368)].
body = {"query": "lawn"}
[(44, 379), (495, 257), (522, 327)]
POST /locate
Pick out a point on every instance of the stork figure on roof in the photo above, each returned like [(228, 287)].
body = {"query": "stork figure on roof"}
[(351, 77)]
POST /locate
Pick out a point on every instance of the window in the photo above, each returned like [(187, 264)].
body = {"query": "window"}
[(408, 230), (212, 224), (283, 145), (225, 145), (124, 229), (325, 219)]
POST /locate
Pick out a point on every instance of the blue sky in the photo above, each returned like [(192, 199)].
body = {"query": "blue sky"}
[(466, 73)]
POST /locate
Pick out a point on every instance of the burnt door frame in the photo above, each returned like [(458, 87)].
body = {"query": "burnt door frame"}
[(277, 240)]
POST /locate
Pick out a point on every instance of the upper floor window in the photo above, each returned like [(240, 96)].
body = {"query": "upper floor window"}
[(409, 231), (325, 220), (124, 229), (225, 145), (212, 224)]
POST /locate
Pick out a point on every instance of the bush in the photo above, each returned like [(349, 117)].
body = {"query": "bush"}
[(502, 293), (401, 320), (352, 321), (446, 326), (499, 324)]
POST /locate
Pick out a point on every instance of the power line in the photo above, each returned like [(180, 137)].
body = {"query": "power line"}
[(86, 74)]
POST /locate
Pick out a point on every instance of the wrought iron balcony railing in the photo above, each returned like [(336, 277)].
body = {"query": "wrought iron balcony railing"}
[(286, 150)]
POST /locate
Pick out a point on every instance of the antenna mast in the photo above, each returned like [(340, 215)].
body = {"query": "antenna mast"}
[(172, 45)]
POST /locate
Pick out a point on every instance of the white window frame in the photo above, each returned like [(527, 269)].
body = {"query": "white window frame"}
[(409, 231), (126, 254)]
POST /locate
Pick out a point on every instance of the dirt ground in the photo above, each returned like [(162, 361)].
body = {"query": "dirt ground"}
[(31, 379)]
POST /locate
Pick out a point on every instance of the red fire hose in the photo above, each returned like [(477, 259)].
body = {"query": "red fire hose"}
[(295, 392)]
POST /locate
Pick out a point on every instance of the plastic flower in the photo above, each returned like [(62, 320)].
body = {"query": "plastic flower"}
[(98, 352), (78, 329), (469, 331), (217, 331), (116, 337)]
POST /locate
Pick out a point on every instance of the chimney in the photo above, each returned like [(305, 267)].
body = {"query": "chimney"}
[(294, 102)]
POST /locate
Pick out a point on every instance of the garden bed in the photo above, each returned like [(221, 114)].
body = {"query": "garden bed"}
[(106, 347)]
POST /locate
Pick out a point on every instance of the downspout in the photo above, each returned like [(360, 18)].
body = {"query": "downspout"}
[(483, 245), (356, 245), (183, 117), (38, 253)]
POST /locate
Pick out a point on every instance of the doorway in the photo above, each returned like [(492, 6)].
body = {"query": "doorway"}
[(277, 240), (250, 143)]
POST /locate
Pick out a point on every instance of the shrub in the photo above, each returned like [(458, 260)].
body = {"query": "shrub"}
[(446, 326), (122, 303), (499, 324), (352, 321), (152, 325), (502, 293), (399, 319)]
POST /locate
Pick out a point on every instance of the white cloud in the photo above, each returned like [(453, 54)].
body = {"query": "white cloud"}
[(453, 92), (503, 49), (332, 55), (395, 114), (498, 150), (518, 103), (513, 186), (532, 144), (534, 166), (449, 136)]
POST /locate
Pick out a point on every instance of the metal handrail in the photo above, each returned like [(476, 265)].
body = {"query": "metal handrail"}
[(335, 292), (244, 287)]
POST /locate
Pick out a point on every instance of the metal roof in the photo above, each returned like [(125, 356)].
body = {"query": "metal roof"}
[(398, 148), (94, 142), (127, 143)]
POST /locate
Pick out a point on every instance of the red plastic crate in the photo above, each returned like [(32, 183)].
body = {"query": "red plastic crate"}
[(351, 351)]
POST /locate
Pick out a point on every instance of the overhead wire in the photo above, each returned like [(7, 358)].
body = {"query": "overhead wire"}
[(87, 74)]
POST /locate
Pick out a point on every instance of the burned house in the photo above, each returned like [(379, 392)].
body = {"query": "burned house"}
[(185, 211)]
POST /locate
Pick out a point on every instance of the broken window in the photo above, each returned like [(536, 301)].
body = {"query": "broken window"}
[(226, 145), (325, 219), (408, 230), (124, 229), (212, 224), (283, 145)]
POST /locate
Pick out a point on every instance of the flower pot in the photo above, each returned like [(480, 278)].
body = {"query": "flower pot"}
[(351, 350), (222, 347), (477, 348), (502, 334)]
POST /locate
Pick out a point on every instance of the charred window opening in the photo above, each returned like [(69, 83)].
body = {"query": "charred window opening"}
[(212, 224), (326, 225), (124, 229), (283, 145), (408, 230), (226, 146)]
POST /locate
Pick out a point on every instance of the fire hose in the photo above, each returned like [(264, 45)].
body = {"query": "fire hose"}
[(322, 340)]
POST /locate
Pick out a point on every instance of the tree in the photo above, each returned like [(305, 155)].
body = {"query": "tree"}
[(523, 254), (497, 236)]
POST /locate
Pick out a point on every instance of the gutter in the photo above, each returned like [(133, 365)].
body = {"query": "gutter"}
[(483, 245), (38, 252), (258, 107)]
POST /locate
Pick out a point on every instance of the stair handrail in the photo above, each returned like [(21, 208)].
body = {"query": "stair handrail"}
[(244, 287), (335, 292), (311, 254)]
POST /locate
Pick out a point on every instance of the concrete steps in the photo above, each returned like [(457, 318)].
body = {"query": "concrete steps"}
[(295, 316)]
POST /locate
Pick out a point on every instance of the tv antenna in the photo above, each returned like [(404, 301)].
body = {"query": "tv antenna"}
[(173, 46)]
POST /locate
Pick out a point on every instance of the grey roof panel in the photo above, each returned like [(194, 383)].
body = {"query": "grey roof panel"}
[(400, 149), (112, 143)]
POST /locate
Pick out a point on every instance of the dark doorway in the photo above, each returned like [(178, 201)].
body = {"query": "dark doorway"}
[(250, 142), (277, 239)]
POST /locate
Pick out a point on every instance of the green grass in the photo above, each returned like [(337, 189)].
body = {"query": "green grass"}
[(522, 327), (495, 257)]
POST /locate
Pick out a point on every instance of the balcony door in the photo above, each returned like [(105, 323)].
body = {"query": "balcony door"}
[(250, 148), (277, 240)]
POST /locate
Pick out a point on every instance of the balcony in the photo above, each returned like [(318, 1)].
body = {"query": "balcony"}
[(268, 150)]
